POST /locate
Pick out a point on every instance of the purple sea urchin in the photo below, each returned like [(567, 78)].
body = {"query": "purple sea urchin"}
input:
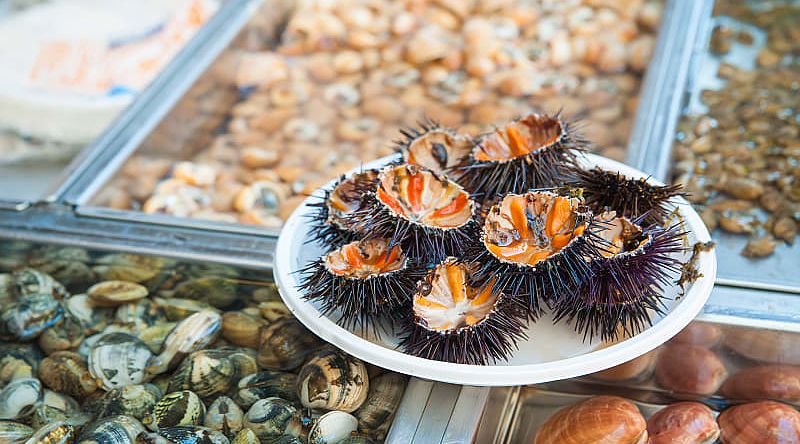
[(535, 151), (626, 284), (335, 215), (537, 245), (435, 148), (454, 321), (428, 214), (362, 282)]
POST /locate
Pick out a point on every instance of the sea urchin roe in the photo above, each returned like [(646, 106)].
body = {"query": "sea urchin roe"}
[(448, 302), (520, 138), (529, 228), (362, 259), (438, 150), (423, 197), (346, 197), (622, 235)]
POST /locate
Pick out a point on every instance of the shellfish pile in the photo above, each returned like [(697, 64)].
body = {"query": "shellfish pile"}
[(463, 240), (123, 349)]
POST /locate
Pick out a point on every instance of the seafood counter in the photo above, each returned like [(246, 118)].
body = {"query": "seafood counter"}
[(120, 348), (281, 113)]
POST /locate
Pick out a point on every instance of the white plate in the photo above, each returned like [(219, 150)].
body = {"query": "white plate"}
[(552, 352)]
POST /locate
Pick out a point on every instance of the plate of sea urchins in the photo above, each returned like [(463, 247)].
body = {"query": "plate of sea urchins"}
[(514, 257)]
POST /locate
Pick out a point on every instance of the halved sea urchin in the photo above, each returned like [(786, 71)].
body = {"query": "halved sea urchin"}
[(627, 283), (333, 220), (435, 148), (426, 213), (535, 151), (537, 245), (362, 282), (454, 321), (632, 198)]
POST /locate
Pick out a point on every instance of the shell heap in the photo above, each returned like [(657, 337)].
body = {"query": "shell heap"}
[(123, 349), (462, 241)]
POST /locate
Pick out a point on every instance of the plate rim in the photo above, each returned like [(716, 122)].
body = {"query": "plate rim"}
[(596, 360)]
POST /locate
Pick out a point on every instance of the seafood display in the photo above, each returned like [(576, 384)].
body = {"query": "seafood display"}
[(459, 262), (143, 349), (311, 90), (738, 160)]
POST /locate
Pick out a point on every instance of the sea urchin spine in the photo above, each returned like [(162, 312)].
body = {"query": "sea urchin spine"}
[(335, 215)]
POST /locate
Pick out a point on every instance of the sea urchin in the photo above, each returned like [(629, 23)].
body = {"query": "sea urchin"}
[(335, 215), (435, 148)]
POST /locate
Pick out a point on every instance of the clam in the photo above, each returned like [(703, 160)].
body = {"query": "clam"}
[(54, 433), (242, 329), (155, 336), (770, 346), (213, 371), (31, 315), (246, 436), (225, 416), (764, 422), (271, 418), (118, 360), (92, 318), (689, 369), (332, 428), (266, 384), (116, 293), (18, 361), (112, 430), (133, 400), (703, 334), (18, 397), (176, 409), (66, 335), (636, 369), (285, 344), (274, 310), (29, 281), (776, 382), (130, 267), (601, 419), (193, 435), (66, 265), (333, 380), (59, 401), (180, 309), (357, 439), (288, 439), (141, 314), (14, 433), (683, 422), (219, 292), (66, 372), (385, 393), (191, 334)]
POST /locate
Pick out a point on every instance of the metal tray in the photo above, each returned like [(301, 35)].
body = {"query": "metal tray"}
[(652, 150)]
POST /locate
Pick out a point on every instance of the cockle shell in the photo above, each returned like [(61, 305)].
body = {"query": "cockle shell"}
[(637, 368), (770, 346), (776, 382), (689, 369), (699, 333), (764, 422), (597, 420), (683, 422)]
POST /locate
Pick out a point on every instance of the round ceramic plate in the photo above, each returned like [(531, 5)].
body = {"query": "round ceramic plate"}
[(551, 352)]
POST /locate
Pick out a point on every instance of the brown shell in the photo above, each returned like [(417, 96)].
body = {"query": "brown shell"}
[(764, 422), (597, 420), (776, 382), (703, 334), (683, 422), (689, 369), (770, 346), (636, 368)]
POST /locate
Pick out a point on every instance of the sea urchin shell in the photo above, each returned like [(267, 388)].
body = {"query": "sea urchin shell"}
[(362, 282), (455, 321), (533, 152), (426, 213), (335, 214)]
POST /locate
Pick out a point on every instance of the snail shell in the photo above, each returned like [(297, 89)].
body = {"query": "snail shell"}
[(213, 371), (385, 393), (18, 398), (54, 433), (31, 315), (216, 291), (191, 334), (597, 420), (285, 344), (119, 359), (764, 422), (333, 380), (635, 369), (241, 329), (683, 422), (112, 430), (332, 428), (266, 384), (689, 369), (271, 418), (193, 435), (225, 416), (176, 409), (134, 400), (246, 436), (66, 372), (115, 293), (776, 382), (770, 346), (703, 334), (14, 433)]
